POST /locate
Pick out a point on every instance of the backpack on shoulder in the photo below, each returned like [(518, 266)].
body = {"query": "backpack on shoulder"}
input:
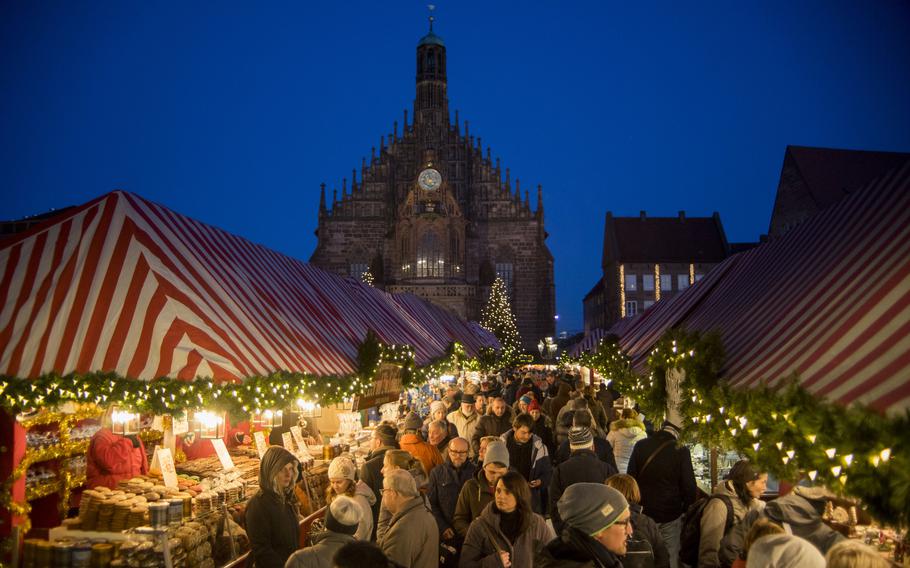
[(690, 535)]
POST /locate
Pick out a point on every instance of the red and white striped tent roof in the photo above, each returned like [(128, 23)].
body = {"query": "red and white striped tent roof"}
[(829, 301), (123, 284)]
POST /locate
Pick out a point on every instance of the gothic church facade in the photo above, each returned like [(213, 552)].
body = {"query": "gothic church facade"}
[(432, 215)]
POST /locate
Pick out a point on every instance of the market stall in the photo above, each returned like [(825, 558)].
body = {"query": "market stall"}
[(796, 355), (124, 306)]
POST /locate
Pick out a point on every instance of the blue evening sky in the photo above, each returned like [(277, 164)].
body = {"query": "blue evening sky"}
[(233, 112)]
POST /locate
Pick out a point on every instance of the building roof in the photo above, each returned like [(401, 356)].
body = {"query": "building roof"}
[(828, 303), (123, 284), (597, 289), (431, 39), (664, 239), (830, 174)]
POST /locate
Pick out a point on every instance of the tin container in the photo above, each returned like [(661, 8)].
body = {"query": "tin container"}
[(102, 555), (82, 555), (43, 553), (62, 554), (175, 510), (158, 514)]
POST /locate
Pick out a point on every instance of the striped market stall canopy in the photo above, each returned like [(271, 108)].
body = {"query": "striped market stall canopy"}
[(123, 284), (829, 301)]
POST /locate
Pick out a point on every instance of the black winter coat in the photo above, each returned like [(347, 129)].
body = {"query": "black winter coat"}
[(573, 549), (668, 483), (445, 485), (272, 528), (646, 529), (582, 466)]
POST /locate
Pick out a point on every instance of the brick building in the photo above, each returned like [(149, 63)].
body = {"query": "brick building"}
[(649, 258), (814, 178), (433, 215)]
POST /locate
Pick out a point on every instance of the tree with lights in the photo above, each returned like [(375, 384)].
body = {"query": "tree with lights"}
[(498, 318), (367, 278)]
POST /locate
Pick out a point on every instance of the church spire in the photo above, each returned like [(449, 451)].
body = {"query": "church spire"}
[(431, 106)]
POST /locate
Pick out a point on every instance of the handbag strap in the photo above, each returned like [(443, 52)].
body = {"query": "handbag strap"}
[(654, 455)]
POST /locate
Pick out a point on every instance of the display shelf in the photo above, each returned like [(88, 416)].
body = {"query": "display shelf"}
[(43, 490), (50, 453)]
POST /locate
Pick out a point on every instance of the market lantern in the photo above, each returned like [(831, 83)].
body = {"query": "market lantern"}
[(309, 409), (268, 419), (124, 423), (210, 425)]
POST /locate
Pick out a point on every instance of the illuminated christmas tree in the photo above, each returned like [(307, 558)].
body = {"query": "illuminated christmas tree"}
[(367, 278), (498, 318)]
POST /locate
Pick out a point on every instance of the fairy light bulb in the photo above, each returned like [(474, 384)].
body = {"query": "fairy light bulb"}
[(885, 454), (831, 452), (836, 470), (813, 474), (811, 438), (848, 459)]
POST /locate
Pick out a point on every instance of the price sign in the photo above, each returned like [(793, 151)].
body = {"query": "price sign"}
[(223, 456), (298, 437), (261, 445), (181, 424), (166, 463), (288, 442)]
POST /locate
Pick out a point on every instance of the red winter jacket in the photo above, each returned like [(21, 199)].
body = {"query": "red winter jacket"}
[(112, 458)]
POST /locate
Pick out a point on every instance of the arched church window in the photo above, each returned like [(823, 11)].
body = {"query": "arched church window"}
[(431, 61), (430, 262)]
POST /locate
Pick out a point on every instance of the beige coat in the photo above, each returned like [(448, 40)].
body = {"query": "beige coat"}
[(465, 425), (412, 538), (713, 522)]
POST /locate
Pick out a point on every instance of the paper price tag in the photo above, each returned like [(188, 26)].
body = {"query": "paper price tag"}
[(298, 437), (181, 425), (166, 463), (288, 443), (223, 456), (261, 445)]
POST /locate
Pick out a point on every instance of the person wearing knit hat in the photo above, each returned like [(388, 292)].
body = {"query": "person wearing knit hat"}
[(598, 525), (478, 492), (583, 466), (438, 413), (342, 517), (784, 551), (543, 427), (343, 482), (412, 443)]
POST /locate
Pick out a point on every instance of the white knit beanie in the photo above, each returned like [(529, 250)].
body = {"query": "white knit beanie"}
[(342, 468), (784, 551)]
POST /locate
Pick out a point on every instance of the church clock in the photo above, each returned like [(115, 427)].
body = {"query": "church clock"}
[(429, 179)]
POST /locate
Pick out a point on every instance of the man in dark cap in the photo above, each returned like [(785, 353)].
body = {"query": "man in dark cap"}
[(582, 466)]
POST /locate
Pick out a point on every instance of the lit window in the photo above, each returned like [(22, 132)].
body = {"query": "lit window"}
[(647, 282), (666, 282), (429, 257), (631, 308), (504, 271), (682, 281), (648, 303), (357, 270), (631, 283)]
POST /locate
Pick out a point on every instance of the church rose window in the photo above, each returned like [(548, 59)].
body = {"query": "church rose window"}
[(430, 263)]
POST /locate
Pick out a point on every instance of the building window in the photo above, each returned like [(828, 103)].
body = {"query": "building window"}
[(666, 283), (430, 263), (504, 271), (648, 303), (682, 281), (631, 308), (647, 282), (699, 276), (357, 269), (631, 283)]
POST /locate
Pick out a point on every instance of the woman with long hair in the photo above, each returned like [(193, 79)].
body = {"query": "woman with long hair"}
[(343, 481), (644, 529), (737, 495), (272, 514), (507, 531)]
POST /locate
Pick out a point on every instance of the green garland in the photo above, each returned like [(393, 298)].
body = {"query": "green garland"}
[(276, 390), (786, 431)]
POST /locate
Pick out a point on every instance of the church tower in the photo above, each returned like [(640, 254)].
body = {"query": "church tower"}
[(433, 215)]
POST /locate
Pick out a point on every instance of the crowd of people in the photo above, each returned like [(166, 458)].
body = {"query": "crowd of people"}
[(538, 470)]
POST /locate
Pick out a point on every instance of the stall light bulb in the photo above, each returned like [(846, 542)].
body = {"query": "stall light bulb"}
[(848, 459), (811, 438), (780, 445), (774, 415), (721, 409), (813, 474), (743, 421), (830, 452), (885, 454), (755, 446), (733, 431), (754, 432), (876, 460), (843, 479), (790, 454), (836, 470), (785, 459)]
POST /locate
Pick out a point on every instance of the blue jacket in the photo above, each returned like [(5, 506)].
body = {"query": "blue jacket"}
[(445, 485)]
